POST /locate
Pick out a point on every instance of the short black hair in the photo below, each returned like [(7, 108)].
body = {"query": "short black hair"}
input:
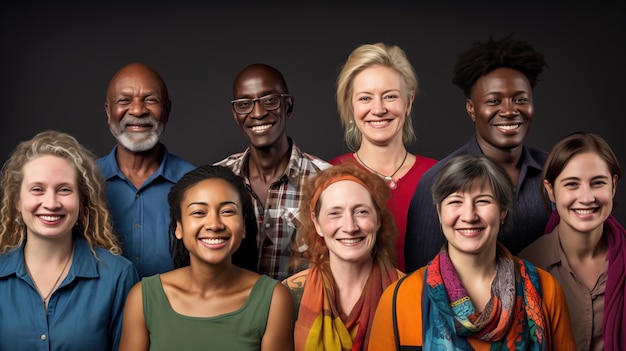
[(484, 57)]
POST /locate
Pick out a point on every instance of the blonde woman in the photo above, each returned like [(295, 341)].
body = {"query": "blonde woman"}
[(62, 280)]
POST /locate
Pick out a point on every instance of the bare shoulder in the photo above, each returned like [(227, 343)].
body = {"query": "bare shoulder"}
[(297, 280)]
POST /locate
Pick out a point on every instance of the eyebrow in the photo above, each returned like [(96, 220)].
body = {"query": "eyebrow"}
[(224, 203)]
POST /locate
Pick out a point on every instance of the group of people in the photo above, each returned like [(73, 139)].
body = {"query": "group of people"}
[(497, 246)]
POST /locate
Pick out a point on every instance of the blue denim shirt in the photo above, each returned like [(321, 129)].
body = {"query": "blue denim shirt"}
[(523, 225), (141, 216), (84, 313)]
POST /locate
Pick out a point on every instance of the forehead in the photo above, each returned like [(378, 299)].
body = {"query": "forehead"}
[(49, 168), (344, 192), (212, 191), (377, 76), (257, 81), (133, 79), (585, 164), (502, 79)]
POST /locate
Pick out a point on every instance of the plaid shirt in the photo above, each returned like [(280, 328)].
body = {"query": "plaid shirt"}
[(279, 219)]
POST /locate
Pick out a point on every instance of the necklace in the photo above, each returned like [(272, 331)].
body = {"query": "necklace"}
[(388, 179), (44, 299)]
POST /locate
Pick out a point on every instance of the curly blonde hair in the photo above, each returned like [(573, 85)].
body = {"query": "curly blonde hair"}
[(94, 222), (313, 248), (363, 57)]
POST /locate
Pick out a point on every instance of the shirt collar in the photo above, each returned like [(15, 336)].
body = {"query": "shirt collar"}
[(110, 168)]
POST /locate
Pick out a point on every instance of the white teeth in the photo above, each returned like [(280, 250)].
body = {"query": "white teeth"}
[(261, 128), (350, 241), (584, 212), (50, 218), (213, 241), (379, 123), (509, 126), (469, 231)]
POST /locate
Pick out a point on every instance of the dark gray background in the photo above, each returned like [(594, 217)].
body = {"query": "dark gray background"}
[(57, 60)]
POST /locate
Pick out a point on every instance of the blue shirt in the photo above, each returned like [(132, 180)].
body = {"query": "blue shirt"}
[(525, 223), (141, 216), (84, 313)]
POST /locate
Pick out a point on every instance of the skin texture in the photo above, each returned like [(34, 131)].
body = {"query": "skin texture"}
[(380, 106), (137, 108), (470, 222), (347, 213), (49, 197), (265, 130), (502, 110), (212, 228)]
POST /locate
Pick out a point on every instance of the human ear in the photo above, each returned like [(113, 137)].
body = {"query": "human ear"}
[(318, 228), (549, 190), (469, 107)]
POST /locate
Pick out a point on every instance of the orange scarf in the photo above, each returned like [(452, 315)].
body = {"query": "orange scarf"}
[(320, 325)]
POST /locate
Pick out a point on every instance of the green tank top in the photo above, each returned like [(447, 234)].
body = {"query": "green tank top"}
[(239, 330)]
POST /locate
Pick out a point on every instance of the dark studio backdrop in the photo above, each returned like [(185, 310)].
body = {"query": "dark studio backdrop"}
[(57, 59)]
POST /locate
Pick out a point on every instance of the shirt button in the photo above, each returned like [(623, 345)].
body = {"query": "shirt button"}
[(43, 336), (137, 225), (267, 225), (137, 258)]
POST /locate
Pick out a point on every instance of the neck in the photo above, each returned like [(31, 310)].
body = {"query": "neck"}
[(206, 278), (268, 163), (582, 245), (351, 274), (474, 266)]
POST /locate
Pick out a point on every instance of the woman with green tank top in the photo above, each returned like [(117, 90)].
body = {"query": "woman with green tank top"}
[(206, 302)]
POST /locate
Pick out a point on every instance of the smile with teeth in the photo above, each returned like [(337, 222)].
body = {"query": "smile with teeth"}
[(508, 126), (350, 240), (50, 218), (584, 211), (261, 128), (214, 241), (379, 123), (469, 231)]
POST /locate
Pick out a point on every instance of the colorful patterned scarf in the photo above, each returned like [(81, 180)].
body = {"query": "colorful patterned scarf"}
[(512, 319), (614, 319), (320, 325)]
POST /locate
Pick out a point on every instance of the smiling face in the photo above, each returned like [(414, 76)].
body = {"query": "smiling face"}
[(263, 128), (501, 108), (470, 221), (583, 193), (347, 221), (212, 224), (49, 199), (137, 107), (380, 105)]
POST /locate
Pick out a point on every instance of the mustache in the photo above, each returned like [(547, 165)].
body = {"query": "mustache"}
[(130, 120)]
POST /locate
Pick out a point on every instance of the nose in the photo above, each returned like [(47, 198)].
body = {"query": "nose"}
[(349, 224), (51, 200), (138, 108), (586, 195), (378, 108), (468, 213), (257, 110), (213, 222), (509, 108)]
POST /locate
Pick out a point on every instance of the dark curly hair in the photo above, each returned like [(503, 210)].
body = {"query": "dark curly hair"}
[(484, 57), (180, 254)]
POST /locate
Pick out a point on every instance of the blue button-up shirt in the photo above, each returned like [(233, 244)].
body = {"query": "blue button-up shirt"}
[(141, 216), (84, 313)]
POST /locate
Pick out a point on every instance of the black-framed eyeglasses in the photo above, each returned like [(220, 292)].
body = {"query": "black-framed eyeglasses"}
[(268, 102)]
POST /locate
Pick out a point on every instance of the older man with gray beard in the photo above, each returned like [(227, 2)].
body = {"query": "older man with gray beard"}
[(139, 171)]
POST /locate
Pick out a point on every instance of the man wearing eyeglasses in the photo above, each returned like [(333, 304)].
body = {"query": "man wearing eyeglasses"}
[(273, 167)]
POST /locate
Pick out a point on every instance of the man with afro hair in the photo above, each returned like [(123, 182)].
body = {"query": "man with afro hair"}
[(497, 77)]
